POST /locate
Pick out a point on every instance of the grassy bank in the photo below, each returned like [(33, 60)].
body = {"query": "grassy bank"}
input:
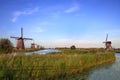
[(50, 66), (117, 50)]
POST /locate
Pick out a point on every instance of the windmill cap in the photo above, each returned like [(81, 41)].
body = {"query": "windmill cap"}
[(20, 38), (107, 42)]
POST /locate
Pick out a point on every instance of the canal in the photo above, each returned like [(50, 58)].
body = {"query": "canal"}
[(108, 71), (43, 51)]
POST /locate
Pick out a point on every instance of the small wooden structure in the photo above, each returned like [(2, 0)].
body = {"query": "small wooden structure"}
[(33, 45), (20, 40), (108, 44), (38, 46)]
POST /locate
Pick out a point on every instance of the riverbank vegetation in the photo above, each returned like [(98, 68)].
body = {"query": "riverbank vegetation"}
[(5, 46), (117, 50), (51, 66), (27, 50)]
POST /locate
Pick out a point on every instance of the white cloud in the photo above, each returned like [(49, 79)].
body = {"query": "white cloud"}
[(14, 19), (72, 9), (30, 11)]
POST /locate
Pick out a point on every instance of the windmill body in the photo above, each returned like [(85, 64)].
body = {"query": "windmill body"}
[(108, 44), (33, 45), (20, 44), (38, 46), (20, 40)]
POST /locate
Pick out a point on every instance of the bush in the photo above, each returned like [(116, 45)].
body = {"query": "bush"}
[(5, 46), (73, 47)]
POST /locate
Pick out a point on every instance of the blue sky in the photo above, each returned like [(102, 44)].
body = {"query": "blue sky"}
[(62, 23)]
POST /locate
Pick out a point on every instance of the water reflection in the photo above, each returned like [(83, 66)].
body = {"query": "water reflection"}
[(107, 72), (43, 51), (98, 73)]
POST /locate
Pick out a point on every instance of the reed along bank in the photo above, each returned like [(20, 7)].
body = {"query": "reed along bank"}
[(52, 65)]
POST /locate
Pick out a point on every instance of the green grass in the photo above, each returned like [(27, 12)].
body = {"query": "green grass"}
[(117, 50), (50, 66)]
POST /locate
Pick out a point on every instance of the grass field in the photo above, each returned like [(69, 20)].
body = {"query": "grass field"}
[(50, 66)]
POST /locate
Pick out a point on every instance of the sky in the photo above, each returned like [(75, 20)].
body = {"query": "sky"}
[(61, 23)]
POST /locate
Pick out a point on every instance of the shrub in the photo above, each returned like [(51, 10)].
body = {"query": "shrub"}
[(5, 46), (73, 47)]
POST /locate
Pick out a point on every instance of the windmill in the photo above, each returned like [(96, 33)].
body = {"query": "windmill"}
[(38, 46), (33, 45), (20, 40), (108, 44)]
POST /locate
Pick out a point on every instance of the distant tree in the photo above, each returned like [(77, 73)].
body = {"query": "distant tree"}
[(41, 47), (5, 46), (73, 47)]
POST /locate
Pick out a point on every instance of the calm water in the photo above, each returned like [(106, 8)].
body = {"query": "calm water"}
[(43, 51), (109, 71)]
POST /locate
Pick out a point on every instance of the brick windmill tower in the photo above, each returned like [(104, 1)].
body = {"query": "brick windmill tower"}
[(108, 44), (20, 40)]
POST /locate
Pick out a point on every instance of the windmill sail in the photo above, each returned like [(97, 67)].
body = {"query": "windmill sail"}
[(14, 37), (106, 37), (20, 42), (22, 32), (107, 43), (27, 38)]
